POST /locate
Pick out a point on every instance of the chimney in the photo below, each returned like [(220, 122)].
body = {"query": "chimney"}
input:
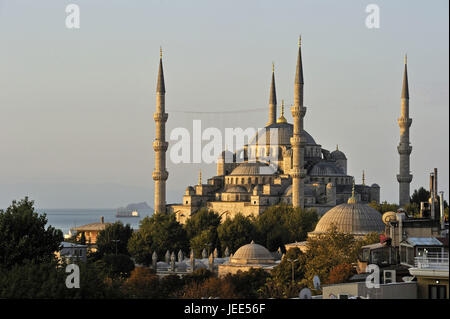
[(442, 210), (432, 198), (102, 219)]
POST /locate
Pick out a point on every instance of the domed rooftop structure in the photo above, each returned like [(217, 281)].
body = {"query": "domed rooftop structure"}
[(326, 169), (338, 155), (253, 168), (252, 254), (285, 131), (236, 189), (353, 218)]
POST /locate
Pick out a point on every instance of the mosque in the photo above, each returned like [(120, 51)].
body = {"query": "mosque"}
[(279, 165)]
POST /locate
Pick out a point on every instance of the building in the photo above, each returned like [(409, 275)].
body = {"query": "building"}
[(283, 163), (90, 231), (247, 257), (71, 252), (359, 290)]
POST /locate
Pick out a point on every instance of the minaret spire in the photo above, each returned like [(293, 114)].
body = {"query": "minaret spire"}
[(298, 143), (272, 99), (160, 145), (404, 148)]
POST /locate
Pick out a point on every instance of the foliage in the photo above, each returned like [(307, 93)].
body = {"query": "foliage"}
[(325, 251), (282, 224), (116, 266), (236, 232), (283, 272), (384, 207), (211, 287), (247, 284), (114, 239), (142, 283), (420, 195), (340, 273), (201, 230), (24, 237), (198, 276), (278, 290), (160, 232)]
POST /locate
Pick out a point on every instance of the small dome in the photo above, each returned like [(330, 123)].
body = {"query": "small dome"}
[(236, 189), (354, 218), (338, 155), (308, 191), (375, 186), (253, 168), (190, 190), (252, 254)]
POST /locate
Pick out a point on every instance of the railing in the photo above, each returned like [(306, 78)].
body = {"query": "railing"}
[(432, 261)]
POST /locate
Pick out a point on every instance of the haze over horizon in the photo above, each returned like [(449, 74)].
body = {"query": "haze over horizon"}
[(76, 106)]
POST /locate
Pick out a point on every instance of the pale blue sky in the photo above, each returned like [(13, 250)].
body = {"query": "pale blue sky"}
[(76, 106)]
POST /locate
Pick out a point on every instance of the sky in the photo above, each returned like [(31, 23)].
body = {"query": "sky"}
[(76, 105)]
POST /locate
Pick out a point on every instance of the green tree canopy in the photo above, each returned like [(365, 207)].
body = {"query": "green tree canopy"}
[(114, 239), (282, 224), (24, 235), (158, 233), (201, 230), (420, 195), (236, 232), (384, 207)]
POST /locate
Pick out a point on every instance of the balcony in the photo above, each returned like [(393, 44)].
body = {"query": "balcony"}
[(432, 261)]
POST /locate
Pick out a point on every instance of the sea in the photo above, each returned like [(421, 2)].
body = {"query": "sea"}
[(65, 219)]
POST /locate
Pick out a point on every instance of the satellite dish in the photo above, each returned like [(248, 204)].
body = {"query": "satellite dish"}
[(389, 217), (407, 278), (316, 282), (305, 293)]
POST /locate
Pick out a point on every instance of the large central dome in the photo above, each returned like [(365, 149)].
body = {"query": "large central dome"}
[(284, 130)]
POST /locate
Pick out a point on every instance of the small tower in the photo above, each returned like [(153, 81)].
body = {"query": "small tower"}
[(298, 143), (404, 148), (160, 145), (272, 100)]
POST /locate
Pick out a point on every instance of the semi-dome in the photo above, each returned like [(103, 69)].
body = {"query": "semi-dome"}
[(326, 169), (236, 189), (375, 185), (253, 168), (353, 218), (252, 254)]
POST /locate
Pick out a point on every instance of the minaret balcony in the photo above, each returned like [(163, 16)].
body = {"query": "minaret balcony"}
[(160, 175), (159, 146), (160, 117), (404, 178), (404, 122), (404, 149)]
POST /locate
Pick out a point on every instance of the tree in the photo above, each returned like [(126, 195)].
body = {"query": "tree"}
[(282, 224), (420, 195), (236, 232), (158, 233), (142, 283), (283, 272), (24, 236), (211, 287), (326, 251), (384, 207), (201, 230), (116, 266), (340, 273), (247, 284), (114, 239)]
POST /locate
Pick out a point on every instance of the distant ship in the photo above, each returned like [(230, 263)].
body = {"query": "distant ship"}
[(125, 212)]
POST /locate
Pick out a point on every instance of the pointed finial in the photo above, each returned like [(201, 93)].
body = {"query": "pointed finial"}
[(300, 40), (406, 58), (160, 52), (352, 200), (282, 119), (273, 67), (363, 178), (200, 177), (337, 147)]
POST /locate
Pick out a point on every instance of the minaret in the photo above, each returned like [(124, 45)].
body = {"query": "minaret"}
[(404, 148), (272, 100), (298, 172), (160, 145)]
